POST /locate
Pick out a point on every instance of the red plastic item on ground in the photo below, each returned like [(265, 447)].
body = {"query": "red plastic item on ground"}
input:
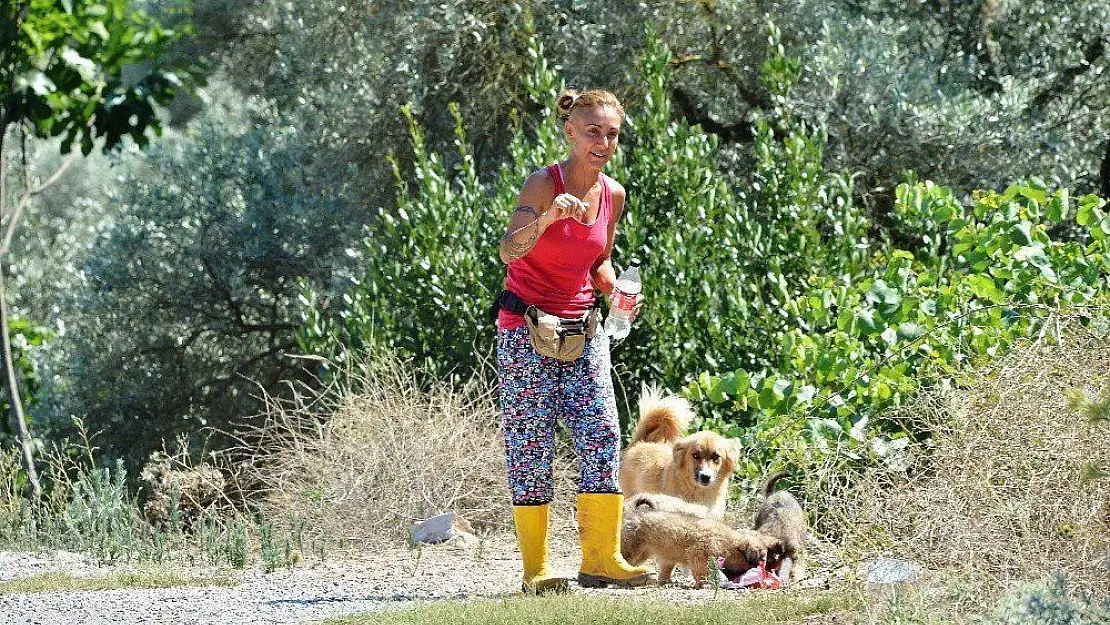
[(758, 577)]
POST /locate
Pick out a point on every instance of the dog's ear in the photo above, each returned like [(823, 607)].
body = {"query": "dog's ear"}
[(679, 451), (733, 448)]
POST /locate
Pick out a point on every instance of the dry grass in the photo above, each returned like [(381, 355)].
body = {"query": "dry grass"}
[(365, 458), (1004, 490), (57, 582)]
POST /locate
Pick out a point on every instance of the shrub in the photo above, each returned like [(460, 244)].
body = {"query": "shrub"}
[(718, 265), (190, 298), (1000, 491), (853, 349), (372, 453), (26, 337), (1051, 603)]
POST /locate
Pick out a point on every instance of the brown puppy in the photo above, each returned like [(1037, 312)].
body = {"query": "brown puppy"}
[(674, 538), (666, 503), (696, 468), (781, 516)]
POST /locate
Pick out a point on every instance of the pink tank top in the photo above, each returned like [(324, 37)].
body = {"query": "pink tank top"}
[(555, 275)]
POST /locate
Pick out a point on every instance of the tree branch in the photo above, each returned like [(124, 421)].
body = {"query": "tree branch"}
[(5, 247), (224, 381), (236, 309), (738, 132), (1093, 51)]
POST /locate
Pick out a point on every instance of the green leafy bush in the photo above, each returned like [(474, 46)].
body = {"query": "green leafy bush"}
[(718, 264), (856, 348), (431, 269), (804, 327), (1051, 603), (188, 303), (721, 263), (25, 338)]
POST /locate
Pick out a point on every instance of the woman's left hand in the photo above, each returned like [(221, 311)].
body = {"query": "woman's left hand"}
[(638, 306), (639, 299)]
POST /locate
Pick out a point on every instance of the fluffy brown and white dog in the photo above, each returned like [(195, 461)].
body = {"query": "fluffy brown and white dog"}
[(658, 529), (660, 459), (666, 503), (781, 516)]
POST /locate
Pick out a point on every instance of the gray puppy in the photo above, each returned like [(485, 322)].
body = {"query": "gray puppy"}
[(781, 516)]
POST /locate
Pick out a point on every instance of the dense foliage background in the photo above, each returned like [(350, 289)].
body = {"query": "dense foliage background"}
[(802, 189)]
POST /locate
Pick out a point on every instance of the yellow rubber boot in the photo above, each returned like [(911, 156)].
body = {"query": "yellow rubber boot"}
[(531, 535), (599, 531)]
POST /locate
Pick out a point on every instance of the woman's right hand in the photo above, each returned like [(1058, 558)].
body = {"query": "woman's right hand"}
[(566, 205)]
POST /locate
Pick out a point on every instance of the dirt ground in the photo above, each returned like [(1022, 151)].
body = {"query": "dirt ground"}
[(345, 583)]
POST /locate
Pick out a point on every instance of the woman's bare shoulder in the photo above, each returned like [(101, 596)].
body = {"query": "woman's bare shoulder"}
[(538, 189), (540, 180), (615, 187)]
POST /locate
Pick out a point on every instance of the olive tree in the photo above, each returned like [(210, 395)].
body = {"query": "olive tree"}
[(63, 73)]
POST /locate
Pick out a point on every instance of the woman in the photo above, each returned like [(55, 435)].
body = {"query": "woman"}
[(557, 249)]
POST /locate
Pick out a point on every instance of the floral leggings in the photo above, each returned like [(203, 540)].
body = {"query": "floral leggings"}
[(535, 391)]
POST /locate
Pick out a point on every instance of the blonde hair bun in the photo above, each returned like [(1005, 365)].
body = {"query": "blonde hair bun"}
[(565, 103), (570, 99)]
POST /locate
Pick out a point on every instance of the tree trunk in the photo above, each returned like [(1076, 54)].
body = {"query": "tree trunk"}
[(19, 424)]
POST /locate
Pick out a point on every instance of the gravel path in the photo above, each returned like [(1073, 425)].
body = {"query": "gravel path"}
[(385, 580)]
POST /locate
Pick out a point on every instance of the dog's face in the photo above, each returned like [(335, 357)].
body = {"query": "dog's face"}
[(755, 549), (705, 458), (776, 553), (743, 557)]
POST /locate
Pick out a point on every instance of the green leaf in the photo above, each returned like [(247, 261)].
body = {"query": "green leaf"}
[(37, 41), (1020, 234), (736, 382), (865, 320), (693, 392), (98, 29), (767, 398), (882, 390), (1058, 207), (705, 380), (783, 387), (1088, 209), (806, 393), (844, 320), (1033, 254), (910, 331), (715, 394), (983, 287), (1037, 195)]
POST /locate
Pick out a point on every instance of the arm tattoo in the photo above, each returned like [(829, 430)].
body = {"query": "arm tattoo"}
[(515, 249)]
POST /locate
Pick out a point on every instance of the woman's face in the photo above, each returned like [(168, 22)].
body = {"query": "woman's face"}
[(593, 133)]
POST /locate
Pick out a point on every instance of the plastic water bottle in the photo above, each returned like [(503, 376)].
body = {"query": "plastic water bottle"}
[(622, 301)]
